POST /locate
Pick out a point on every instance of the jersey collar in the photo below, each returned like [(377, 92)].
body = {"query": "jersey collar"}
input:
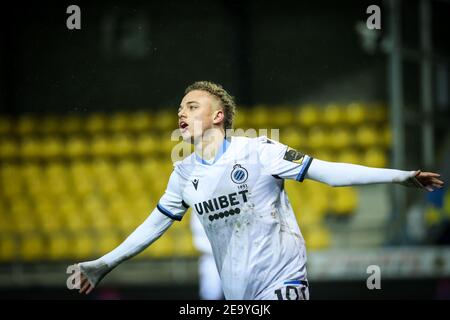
[(223, 148)]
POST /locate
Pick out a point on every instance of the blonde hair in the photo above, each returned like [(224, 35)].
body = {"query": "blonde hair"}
[(226, 100)]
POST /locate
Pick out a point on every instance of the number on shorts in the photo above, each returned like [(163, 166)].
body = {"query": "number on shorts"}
[(290, 293)]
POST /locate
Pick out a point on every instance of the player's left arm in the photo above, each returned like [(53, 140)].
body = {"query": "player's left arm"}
[(338, 174)]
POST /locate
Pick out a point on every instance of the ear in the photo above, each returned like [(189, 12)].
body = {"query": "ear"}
[(218, 116)]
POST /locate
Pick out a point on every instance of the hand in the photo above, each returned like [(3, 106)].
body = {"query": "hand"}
[(85, 284), (91, 273), (428, 180)]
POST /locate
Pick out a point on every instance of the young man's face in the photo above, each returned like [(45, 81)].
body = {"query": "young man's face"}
[(197, 113)]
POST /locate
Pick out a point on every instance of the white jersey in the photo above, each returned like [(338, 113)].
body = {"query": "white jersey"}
[(241, 202)]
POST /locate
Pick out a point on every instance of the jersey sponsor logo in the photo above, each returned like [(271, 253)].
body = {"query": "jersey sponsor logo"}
[(195, 183), (239, 174), (224, 214), (222, 203), (293, 156)]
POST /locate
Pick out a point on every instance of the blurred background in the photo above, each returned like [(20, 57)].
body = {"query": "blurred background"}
[(86, 118)]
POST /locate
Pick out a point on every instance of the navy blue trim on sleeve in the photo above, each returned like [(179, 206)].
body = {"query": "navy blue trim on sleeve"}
[(184, 204), (302, 173), (167, 213)]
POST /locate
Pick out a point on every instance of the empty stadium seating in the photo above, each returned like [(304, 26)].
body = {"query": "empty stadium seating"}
[(73, 187)]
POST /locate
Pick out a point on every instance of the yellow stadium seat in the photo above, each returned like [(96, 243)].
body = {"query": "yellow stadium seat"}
[(293, 137), (333, 115), (164, 247), (95, 123), (71, 124), (281, 117), (32, 247), (59, 247), (76, 146), (36, 189), (83, 245), (318, 138), (350, 156), (127, 167), (100, 146), (50, 222), (8, 247), (166, 146), (74, 221), (5, 219), (49, 124), (344, 200), (52, 147), (184, 246), (107, 241), (23, 219), (119, 122), (308, 115), (26, 125), (127, 223), (9, 171), (67, 205), (58, 186), (83, 186), (375, 157), (356, 113), (318, 196), (121, 145), (367, 136), (108, 186), (240, 118), (30, 148), (10, 188), (261, 116), (341, 137), (146, 144), (309, 215), (31, 171), (317, 238), (9, 148), (149, 167), (140, 121), (103, 168), (94, 209), (324, 154), (166, 120), (55, 170), (80, 171), (44, 208), (140, 205), (119, 210)]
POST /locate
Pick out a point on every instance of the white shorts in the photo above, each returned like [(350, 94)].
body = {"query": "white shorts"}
[(288, 290)]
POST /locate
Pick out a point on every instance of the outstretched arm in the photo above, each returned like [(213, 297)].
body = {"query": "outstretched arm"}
[(338, 174), (144, 235)]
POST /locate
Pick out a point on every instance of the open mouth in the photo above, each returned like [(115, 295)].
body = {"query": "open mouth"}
[(183, 125)]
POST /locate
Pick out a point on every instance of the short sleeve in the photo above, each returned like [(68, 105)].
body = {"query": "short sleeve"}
[(171, 203), (282, 161)]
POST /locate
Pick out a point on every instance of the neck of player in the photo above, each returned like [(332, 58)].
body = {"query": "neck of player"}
[(208, 146)]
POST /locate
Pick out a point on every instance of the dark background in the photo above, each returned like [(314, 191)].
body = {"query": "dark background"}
[(140, 54)]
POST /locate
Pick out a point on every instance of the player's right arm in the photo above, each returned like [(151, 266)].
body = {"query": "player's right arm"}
[(170, 207), (144, 235)]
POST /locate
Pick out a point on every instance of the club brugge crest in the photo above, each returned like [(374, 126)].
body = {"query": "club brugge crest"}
[(239, 174)]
